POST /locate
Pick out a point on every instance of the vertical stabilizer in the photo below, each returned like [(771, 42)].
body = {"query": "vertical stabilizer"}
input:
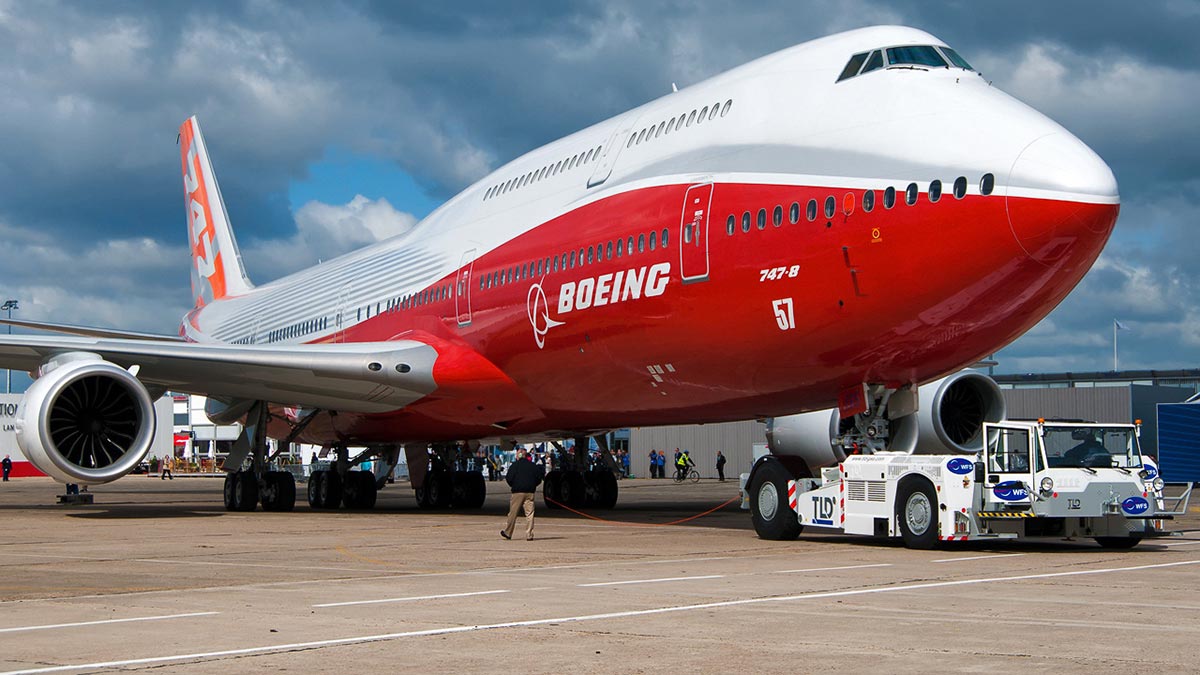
[(217, 270)]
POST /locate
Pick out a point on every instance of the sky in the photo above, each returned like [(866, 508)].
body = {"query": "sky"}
[(332, 125)]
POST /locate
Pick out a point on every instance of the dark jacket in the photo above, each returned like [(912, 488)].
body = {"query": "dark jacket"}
[(523, 476)]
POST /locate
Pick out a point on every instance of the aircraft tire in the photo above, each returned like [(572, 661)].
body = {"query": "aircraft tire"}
[(552, 490), (773, 518), (285, 491), (438, 489), (368, 490), (574, 490), (329, 491), (606, 488), (227, 492), (314, 489), (245, 491)]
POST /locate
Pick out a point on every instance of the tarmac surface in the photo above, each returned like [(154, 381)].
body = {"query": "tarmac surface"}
[(156, 575)]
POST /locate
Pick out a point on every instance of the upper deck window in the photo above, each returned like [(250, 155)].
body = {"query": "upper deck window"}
[(916, 56)]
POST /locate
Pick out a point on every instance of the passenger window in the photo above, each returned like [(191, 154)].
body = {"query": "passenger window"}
[(873, 63), (868, 201), (664, 237), (987, 184), (620, 247), (641, 137), (671, 125), (848, 203), (590, 258), (777, 216), (830, 206), (726, 107), (713, 114), (730, 226), (745, 221), (679, 124), (590, 154), (762, 218), (641, 243), (960, 187), (852, 66), (910, 195), (691, 118), (632, 138), (794, 213), (653, 239), (812, 210), (629, 245), (572, 259), (703, 114), (935, 191), (661, 126), (889, 197), (608, 251)]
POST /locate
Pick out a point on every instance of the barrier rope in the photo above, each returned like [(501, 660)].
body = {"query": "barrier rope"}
[(629, 524)]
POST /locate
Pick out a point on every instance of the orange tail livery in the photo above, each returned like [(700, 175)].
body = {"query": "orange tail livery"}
[(217, 270)]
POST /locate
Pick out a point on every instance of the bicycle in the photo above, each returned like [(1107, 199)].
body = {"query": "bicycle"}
[(691, 475)]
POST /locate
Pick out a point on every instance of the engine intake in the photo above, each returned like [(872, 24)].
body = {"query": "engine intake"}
[(85, 420), (949, 419)]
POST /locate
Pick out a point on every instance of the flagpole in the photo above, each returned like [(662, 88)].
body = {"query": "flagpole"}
[(1114, 345)]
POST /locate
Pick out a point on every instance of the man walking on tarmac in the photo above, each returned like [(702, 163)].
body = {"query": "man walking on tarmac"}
[(523, 477)]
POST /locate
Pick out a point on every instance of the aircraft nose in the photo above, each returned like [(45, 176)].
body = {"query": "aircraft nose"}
[(1061, 196)]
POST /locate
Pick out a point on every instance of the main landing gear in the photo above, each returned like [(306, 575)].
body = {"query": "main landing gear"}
[(441, 480), (276, 490), (578, 483)]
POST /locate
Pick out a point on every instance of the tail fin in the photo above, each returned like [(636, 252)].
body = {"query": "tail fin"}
[(217, 270)]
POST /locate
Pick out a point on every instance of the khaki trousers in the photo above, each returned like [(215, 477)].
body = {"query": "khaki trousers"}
[(514, 506)]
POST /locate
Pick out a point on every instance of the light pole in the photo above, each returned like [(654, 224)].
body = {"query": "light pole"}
[(8, 306)]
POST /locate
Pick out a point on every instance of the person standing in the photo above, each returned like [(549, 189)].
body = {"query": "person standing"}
[(164, 466), (523, 477), (653, 464), (7, 466), (720, 467), (662, 464)]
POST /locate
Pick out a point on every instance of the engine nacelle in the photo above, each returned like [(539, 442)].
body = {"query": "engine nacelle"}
[(949, 419), (85, 420)]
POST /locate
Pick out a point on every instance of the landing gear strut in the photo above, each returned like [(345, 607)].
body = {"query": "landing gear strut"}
[(244, 488)]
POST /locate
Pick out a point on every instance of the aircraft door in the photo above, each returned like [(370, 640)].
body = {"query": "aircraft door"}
[(1010, 461), (693, 233), (462, 290), (608, 157)]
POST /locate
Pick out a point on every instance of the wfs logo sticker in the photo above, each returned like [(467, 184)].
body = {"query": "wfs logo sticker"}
[(1135, 506), (1010, 491), (960, 466), (1150, 469)]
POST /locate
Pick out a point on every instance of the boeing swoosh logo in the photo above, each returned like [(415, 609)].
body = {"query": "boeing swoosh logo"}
[(539, 314)]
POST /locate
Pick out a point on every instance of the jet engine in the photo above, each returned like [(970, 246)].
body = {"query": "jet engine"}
[(949, 419), (85, 420)]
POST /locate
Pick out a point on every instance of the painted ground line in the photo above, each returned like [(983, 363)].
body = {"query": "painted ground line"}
[(409, 599), (979, 557), (576, 619), (76, 624), (582, 618), (831, 569), (651, 581)]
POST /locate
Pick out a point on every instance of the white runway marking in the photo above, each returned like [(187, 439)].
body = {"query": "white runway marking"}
[(18, 629), (830, 569), (575, 619), (980, 557), (409, 599), (1182, 543), (651, 581)]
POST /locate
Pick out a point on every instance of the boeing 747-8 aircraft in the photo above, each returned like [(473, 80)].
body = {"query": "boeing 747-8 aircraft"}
[(832, 225)]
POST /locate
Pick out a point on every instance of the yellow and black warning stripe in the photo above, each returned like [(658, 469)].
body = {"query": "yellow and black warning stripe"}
[(1006, 514)]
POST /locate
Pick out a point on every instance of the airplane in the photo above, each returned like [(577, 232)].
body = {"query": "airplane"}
[(830, 226)]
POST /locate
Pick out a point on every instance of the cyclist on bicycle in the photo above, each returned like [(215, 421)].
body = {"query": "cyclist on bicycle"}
[(683, 464)]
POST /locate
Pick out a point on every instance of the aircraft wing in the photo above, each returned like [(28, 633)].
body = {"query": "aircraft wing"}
[(88, 331), (357, 377)]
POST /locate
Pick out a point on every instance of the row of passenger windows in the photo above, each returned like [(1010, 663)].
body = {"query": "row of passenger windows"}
[(542, 173), (684, 120), (297, 329), (986, 185), (592, 254), (916, 55), (437, 293)]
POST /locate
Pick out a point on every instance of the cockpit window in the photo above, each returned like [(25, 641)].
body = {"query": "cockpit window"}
[(875, 62), (926, 56), (957, 60), (916, 56), (852, 66)]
